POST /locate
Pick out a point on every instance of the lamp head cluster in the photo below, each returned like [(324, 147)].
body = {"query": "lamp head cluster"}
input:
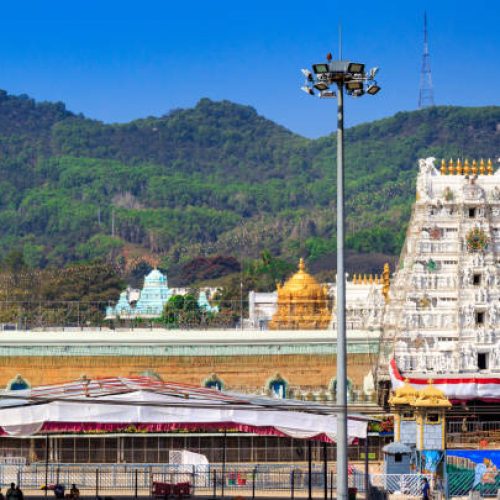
[(349, 74)]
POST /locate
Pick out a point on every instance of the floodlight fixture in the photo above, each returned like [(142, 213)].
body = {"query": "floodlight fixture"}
[(354, 85), (321, 68), (307, 90), (356, 68), (307, 74), (339, 67), (373, 89), (327, 94), (321, 86)]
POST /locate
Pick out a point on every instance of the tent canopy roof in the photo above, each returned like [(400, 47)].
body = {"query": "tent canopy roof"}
[(109, 404)]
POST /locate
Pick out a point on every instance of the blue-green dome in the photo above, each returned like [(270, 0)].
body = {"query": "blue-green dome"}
[(155, 277), (154, 295)]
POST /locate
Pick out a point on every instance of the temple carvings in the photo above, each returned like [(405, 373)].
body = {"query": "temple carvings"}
[(444, 311)]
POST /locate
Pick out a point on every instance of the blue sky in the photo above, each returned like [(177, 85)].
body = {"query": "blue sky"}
[(120, 60)]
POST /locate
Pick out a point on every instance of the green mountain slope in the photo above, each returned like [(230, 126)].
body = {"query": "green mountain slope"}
[(215, 179)]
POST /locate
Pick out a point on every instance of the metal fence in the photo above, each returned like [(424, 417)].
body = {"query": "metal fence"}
[(404, 484), (215, 479), (249, 480), (468, 426), (142, 450), (462, 483), (185, 314)]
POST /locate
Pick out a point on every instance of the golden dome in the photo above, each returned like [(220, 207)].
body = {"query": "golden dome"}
[(302, 284), (302, 303), (430, 396), (404, 395)]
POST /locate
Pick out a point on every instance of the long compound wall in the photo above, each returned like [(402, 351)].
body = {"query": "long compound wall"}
[(309, 371)]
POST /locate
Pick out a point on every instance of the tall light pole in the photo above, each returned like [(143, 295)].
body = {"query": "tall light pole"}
[(352, 76)]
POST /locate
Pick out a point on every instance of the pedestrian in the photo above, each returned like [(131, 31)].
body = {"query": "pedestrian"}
[(19, 493), (74, 492), (425, 489), (59, 490), (11, 492), (1, 495)]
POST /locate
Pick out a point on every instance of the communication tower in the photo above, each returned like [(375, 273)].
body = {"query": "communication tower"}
[(426, 94)]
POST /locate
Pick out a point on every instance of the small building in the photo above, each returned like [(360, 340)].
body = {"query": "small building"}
[(431, 406), (397, 458), (403, 406), (204, 305), (149, 302), (261, 308)]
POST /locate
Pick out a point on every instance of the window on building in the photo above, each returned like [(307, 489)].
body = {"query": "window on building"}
[(214, 382), (433, 418), (333, 387), (408, 415), (480, 318), (472, 213), (476, 279), (482, 360), (18, 384), (277, 386), (398, 457)]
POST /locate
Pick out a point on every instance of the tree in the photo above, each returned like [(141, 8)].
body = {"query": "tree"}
[(182, 311), (14, 262)]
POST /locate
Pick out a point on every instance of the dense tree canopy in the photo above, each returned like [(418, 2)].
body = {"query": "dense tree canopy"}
[(215, 180)]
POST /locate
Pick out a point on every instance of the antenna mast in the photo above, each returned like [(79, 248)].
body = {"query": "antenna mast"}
[(426, 94), (340, 41)]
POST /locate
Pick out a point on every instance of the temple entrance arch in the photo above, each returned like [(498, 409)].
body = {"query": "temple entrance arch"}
[(18, 384), (277, 387), (333, 388), (213, 382)]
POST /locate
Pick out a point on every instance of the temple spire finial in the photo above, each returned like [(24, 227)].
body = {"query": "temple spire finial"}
[(482, 167), (490, 167), (450, 167), (386, 277), (474, 167), (466, 167), (443, 167)]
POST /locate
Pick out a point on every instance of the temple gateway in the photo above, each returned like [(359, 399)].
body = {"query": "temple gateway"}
[(443, 317)]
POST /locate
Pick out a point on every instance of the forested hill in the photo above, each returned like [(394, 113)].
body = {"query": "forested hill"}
[(217, 179)]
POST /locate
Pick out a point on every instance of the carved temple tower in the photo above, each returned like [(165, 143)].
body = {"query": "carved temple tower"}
[(443, 314)]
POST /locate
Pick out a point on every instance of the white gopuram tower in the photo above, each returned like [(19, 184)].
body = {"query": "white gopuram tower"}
[(443, 316)]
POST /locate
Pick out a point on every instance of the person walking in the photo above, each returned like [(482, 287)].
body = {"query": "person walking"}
[(425, 489), (19, 493), (11, 492)]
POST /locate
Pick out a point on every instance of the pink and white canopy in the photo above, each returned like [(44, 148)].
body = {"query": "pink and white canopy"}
[(147, 405), (457, 388)]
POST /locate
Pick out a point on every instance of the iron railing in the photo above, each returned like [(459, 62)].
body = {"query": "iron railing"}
[(93, 452), (246, 479), (218, 314)]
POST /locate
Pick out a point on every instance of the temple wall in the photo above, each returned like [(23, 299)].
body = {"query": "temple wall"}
[(237, 372)]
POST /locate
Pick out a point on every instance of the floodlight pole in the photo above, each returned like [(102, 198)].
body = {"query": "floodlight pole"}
[(342, 484), (357, 82)]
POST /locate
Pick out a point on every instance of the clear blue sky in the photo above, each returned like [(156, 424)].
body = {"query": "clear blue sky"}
[(120, 60)]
